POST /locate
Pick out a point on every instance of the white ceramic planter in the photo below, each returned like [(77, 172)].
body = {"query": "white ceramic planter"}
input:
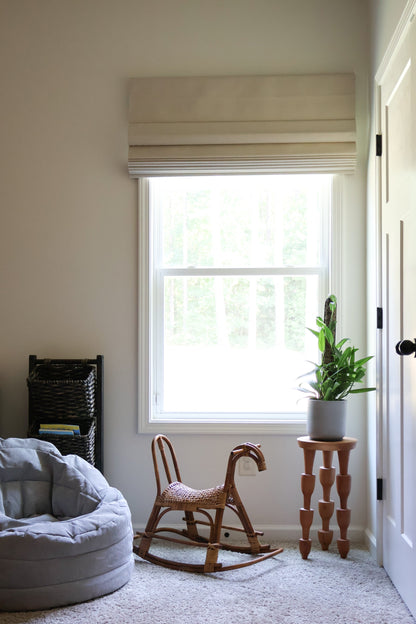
[(326, 420)]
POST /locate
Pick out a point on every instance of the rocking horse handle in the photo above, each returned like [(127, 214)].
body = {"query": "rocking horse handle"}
[(248, 450), (158, 443)]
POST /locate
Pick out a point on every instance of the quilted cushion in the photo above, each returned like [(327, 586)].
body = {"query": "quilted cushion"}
[(65, 533)]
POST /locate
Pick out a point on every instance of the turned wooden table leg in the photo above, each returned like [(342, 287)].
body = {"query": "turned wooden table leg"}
[(327, 478), (343, 513), (326, 506), (306, 513)]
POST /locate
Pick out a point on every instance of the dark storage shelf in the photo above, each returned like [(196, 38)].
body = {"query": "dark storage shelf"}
[(62, 389)]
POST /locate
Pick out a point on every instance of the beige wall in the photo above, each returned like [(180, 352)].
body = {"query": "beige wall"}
[(68, 209)]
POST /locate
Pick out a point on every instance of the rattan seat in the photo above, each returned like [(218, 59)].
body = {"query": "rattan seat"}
[(210, 503), (185, 497)]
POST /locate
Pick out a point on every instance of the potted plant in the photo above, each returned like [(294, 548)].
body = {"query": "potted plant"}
[(334, 378)]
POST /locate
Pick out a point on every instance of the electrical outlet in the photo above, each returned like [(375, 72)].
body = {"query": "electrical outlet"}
[(246, 467)]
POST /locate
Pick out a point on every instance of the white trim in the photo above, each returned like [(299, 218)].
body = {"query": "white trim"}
[(295, 428), (144, 326), (392, 50), (399, 34), (218, 271), (335, 238), (378, 537), (284, 424), (378, 542), (371, 543), (275, 533)]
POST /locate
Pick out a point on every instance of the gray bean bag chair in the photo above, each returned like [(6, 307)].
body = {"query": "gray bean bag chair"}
[(65, 534)]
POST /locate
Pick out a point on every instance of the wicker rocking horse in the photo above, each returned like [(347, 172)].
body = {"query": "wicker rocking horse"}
[(211, 503)]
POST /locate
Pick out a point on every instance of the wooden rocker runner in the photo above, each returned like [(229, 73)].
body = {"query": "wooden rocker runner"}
[(178, 496)]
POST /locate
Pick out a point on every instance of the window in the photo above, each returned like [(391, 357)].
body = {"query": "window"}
[(232, 271)]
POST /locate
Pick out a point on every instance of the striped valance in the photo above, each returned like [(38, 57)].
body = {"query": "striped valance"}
[(261, 124)]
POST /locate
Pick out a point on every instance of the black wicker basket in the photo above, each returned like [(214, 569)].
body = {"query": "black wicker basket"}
[(62, 391), (82, 445)]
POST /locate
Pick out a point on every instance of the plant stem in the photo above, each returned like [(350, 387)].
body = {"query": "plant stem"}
[(330, 320)]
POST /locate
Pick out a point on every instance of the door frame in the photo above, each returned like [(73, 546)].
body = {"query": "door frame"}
[(399, 34)]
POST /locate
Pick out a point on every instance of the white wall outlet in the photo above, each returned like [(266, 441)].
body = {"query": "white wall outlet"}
[(247, 467)]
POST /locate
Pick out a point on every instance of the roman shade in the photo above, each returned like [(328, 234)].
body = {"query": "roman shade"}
[(242, 124)]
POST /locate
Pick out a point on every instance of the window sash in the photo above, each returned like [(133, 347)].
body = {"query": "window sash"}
[(243, 271), (149, 334)]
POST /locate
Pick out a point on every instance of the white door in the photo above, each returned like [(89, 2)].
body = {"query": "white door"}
[(398, 199)]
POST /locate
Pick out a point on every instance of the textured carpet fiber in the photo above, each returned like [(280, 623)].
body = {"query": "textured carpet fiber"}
[(285, 589)]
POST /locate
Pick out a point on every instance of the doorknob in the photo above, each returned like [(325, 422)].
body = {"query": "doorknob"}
[(406, 347)]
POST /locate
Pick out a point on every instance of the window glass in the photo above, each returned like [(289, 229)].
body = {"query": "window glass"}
[(241, 221), (239, 268)]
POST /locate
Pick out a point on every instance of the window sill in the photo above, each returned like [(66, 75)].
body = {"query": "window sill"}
[(283, 427)]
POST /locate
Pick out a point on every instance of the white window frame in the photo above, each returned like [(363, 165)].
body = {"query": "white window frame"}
[(146, 366)]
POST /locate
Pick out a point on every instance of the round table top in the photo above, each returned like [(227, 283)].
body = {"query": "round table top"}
[(346, 444)]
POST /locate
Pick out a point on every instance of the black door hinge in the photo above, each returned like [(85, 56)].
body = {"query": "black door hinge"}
[(379, 318), (379, 145), (379, 489)]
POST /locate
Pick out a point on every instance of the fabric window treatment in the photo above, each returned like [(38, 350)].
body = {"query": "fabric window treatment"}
[(242, 124)]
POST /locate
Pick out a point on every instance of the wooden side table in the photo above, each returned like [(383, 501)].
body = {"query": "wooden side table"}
[(326, 505)]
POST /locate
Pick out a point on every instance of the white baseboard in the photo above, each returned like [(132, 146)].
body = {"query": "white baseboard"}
[(371, 543), (275, 533), (292, 533)]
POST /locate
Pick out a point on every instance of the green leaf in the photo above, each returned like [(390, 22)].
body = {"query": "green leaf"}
[(334, 379), (320, 321), (364, 360), (341, 343), (321, 341), (328, 334)]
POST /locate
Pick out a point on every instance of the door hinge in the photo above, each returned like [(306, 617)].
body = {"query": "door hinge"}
[(379, 145), (379, 318), (379, 489)]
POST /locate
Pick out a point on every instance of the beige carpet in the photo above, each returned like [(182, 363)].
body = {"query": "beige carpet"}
[(325, 589)]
